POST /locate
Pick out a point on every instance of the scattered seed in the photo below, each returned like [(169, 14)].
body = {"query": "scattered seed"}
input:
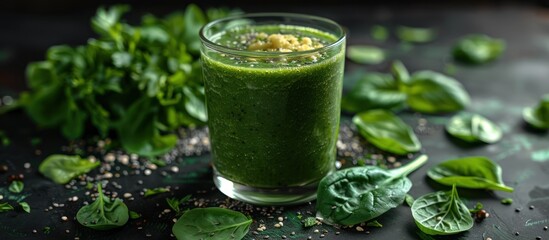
[(488, 238), (127, 195), (531, 207), (34, 231), (315, 231), (359, 228), (517, 233), (64, 218), (517, 209), (174, 169), (280, 219), (67, 231), (3, 168), (147, 172), (538, 238), (545, 228), (27, 165)]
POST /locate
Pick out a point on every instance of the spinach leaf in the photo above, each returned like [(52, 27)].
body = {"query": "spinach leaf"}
[(360, 194), (441, 213), (364, 54), (538, 116), (477, 208), (415, 35), (25, 206), (155, 191), (400, 72), (16, 186), (5, 207), (409, 199), (507, 201), (469, 172), (373, 91), (473, 127), (134, 215), (309, 222), (386, 131), (432, 92), (211, 223), (62, 168), (103, 213), (478, 49), (379, 33), (374, 223)]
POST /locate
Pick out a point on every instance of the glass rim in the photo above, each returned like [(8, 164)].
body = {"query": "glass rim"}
[(207, 42)]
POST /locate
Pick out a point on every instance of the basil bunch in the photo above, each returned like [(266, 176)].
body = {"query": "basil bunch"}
[(140, 82), (538, 116), (423, 91), (360, 194)]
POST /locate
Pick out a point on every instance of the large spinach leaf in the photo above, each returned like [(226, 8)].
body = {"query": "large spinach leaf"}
[(360, 194), (373, 91), (211, 223), (469, 172), (441, 213), (472, 127), (103, 213), (432, 92), (386, 131), (478, 49), (538, 116), (62, 168)]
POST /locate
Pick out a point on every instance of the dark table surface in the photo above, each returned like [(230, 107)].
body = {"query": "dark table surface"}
[(499, 90)]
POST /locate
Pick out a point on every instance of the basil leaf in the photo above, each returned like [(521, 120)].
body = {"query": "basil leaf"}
[(478, 49), (538, 116), (469, 172), (62, 168), (415, 35), (386, 131), (25, 206), (211, 223), (16, 186), (432, 92), (441, 213), (373, 91), (103, 213), (364, 54), (472, 127), (379, 33), (360, 194), (6, 207)]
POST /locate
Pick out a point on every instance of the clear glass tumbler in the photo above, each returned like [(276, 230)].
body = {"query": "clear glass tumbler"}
[(273, 116)]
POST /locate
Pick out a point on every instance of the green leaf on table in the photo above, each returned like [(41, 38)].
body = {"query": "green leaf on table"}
[(469, 172), (103, 213), (472, 127), (155, 191), (16, 186), (374, 91), (400, 73), (478, 49), (309, 222), (507, 201), (359, 194), (379, 33), (432, 92), (175, 203), (5, 207), (538, 116), (415, 35), (374, 223), (441, 213), (211, 223), (387, 131), (364, 54), (134, 215), (25, 206), (479, 206), (62, 168)]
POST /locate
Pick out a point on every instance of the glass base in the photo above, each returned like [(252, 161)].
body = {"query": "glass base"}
[(265, 196)]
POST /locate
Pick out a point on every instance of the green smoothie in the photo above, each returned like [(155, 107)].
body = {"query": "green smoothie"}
[(274, 117)]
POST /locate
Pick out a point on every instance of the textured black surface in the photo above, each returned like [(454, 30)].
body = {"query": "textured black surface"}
[(499, 90)]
